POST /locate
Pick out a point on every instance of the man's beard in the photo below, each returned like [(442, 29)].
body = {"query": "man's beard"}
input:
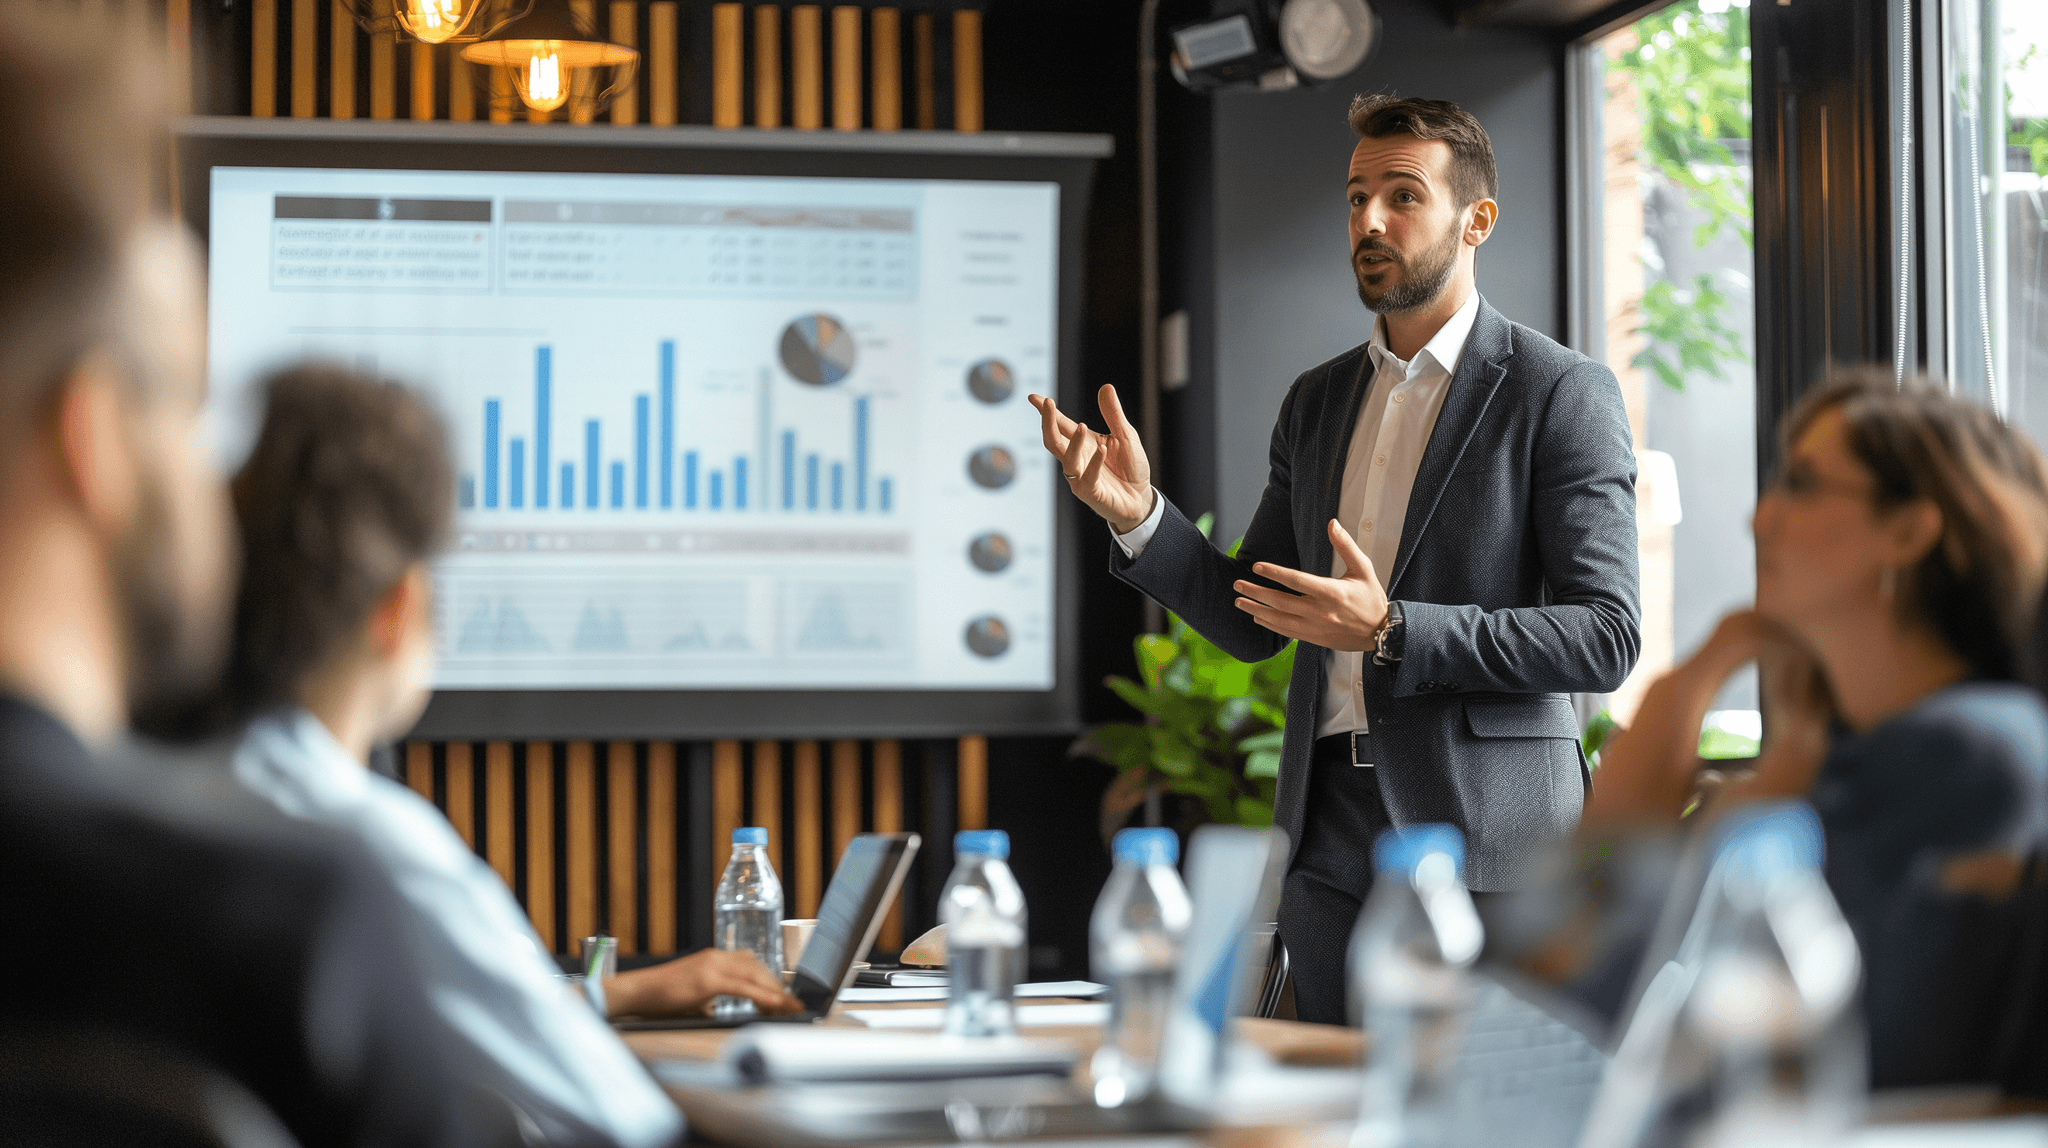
[(176, 648), (1422, 285)]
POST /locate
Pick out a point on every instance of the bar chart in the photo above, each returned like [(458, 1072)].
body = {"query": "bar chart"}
[(639, 466)]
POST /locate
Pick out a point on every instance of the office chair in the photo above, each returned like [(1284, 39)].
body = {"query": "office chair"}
[(65, 1089), (1273, 984)]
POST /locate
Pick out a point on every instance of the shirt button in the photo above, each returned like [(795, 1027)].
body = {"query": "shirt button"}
[(1400, 398), (1380, 461), (1367, 527)]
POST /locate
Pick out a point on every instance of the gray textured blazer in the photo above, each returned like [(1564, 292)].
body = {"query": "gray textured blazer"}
[(1516, 573)]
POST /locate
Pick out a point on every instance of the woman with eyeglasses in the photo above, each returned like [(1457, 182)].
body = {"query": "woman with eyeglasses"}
[(1900, 555)]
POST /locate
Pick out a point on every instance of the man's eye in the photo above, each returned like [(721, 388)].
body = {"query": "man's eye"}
[(1405, 197)]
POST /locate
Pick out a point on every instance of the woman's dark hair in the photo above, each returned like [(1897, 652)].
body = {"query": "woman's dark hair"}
[(348, 487), (1979, 585)]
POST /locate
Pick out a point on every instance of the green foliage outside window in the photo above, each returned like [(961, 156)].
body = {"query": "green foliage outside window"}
[(1692, 69), (2031, 134)]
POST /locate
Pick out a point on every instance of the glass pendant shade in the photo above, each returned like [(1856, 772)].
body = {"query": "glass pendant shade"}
[(436, 21), (543, 47)]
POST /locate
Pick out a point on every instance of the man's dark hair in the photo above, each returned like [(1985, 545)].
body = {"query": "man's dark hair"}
[(349, 485), (1471, 173)]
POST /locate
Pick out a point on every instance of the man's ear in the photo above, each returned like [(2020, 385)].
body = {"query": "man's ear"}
[(95, 450), (1479, 221), (397, 611)]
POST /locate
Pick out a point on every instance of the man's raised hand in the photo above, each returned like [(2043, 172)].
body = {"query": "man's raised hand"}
[(1343, 613), (1108, 472)]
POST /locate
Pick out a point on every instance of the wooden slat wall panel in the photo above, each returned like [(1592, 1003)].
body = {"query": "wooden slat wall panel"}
[(807, 67), (726, 43), (501, 96), (967, 70), (422, 81), (889, 819), (726, 812), (383, 76), (661, 58), (767, 806), (419, 768), (583, 85), (622, 828), (845, 796), (263, 58), (461, 89), (886, 97), (540, 840), (500, 840), (767, 66), (925, 60), (460, 778), (626, 30), (305, 53), (341, 63), (662, 857), (579, 839), (846, 70), (973, 782), (807, 834)]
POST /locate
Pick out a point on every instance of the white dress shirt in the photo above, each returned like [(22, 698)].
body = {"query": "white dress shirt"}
[(1394, 424), (498, 994)]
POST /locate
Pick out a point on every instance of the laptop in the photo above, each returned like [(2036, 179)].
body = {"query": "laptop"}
[(863, 887)]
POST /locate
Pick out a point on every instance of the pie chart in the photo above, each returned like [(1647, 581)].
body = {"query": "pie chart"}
[(817, 349)]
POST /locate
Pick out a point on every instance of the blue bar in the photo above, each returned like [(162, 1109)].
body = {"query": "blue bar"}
[(590, 464), (668, 423), (860, 453), (543, 383), (811, 482), (465, 491), (618, 485), (518, 475), (838, 485), (568, 485), (490, 454), (716, 488), (640, 452), (885, 496), (690, 481), (788, 470), (739, 483)]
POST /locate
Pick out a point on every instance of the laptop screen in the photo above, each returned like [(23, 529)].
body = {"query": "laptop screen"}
[(863, 884)]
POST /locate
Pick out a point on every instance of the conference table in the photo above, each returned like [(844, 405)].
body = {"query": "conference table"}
[(732, 1116)]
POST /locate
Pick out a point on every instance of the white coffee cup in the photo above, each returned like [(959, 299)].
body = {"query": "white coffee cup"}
[(796, 933)]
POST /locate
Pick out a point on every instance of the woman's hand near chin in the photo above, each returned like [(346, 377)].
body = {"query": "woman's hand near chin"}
[(1649, 771)]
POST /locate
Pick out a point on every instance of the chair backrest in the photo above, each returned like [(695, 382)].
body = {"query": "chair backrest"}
[(2021, 1064), (88, 1089), (1273, 985)]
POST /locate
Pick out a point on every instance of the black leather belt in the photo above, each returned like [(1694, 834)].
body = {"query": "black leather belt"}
[(1345, 749)]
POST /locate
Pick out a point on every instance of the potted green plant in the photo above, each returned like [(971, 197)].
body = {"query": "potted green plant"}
[(1212, 734)]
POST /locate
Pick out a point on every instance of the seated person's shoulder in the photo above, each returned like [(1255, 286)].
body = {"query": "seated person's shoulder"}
[(1968, 766), (1999, 725)]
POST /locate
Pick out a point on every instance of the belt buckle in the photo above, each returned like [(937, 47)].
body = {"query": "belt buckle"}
[(1357, 737)]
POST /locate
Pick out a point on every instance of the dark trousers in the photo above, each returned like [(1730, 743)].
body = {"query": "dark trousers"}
[(1331, 874)]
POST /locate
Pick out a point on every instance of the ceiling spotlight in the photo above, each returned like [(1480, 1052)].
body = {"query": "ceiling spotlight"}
[(1275, 44)]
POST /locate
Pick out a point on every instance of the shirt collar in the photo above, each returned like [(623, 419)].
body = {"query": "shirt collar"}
[(1444, 348), (293, 741)]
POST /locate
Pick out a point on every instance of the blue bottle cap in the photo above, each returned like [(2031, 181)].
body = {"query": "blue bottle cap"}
[(1770, 838), (1399, 851), (754, 835), (1146, 847), (982, 843)]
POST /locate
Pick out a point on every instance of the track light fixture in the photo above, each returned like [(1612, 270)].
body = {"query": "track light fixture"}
[(1275, 44)]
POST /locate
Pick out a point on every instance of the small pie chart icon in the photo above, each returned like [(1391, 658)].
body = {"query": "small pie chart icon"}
[(991, 381), (987, 636), (991, 467), (817, 349), (990, 552)]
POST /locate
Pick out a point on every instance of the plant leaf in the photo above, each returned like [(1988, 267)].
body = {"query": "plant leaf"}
[(1264, 763)]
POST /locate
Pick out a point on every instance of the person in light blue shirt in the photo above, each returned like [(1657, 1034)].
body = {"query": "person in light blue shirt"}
[(346, 496)]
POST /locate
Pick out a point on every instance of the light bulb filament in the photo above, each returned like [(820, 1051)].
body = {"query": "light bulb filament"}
[(544, 77)]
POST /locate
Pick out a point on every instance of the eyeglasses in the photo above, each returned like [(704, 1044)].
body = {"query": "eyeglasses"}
[(1801, 483)]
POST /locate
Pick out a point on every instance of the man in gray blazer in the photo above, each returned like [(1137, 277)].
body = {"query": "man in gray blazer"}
[(1449, 530)]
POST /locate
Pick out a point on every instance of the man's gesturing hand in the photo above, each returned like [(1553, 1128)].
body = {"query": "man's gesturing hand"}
[(1334, 613), (1108, 472)]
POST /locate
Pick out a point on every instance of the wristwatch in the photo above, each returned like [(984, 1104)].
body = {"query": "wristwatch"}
[(1386, 648)]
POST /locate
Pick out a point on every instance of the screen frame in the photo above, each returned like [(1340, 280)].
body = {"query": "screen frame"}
[(201, 143)]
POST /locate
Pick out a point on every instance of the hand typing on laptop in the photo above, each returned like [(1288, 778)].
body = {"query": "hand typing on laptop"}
[(686, 986)]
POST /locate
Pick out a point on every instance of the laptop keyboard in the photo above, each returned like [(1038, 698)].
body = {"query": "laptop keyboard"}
[(1524, 1078)]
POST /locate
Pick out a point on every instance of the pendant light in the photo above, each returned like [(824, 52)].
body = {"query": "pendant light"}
[(553, 54), (428, 21)]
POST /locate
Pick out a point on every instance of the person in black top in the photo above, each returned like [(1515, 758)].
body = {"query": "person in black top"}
[(155, 919), (1899, 561)]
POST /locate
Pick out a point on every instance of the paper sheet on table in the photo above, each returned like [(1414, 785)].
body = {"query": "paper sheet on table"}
[(761, 1053), (858, 994), (1036, 1016)]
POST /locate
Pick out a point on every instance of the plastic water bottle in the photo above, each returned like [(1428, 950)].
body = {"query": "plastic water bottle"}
[(1416, 939), (983, 911), (1134, 946), (1750, 1035), (749, 911)]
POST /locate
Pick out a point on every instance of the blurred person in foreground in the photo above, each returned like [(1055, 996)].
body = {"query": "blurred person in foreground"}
[(346, 497), (171, 942), (1899, 560)]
